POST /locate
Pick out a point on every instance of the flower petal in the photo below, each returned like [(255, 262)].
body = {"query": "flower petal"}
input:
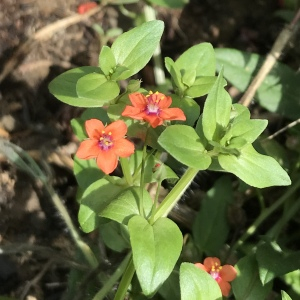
[(200, 266), (93, 128), (165, 101), (132, 112), (123, 148), (153, 120), (118, 129), (107, 161), (172, 114), (138, 100), (225, 287), (88, 149), (210, 262), (228, 273)]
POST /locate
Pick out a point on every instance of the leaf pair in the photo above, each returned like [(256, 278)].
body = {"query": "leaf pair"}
[(94, 87), (223, 140)]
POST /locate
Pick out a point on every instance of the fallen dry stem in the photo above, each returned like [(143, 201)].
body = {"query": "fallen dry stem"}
[(270, 60), (42, 34)]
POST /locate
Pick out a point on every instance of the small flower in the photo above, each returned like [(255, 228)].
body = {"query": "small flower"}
[(152, 108), (222, 274), (105, 144)]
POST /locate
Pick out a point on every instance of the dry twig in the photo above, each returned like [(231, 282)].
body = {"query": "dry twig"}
[(270, 60)]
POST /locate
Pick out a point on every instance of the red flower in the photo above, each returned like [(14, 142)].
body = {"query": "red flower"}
[(152, 108), (222, 274), (85, 7), (105, 144)]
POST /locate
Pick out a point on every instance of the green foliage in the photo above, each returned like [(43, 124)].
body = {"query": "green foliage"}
[(170, 3), (155, 249), (247, 285), (210, 228), (273, 262), (190, 151), (285, 296), (278, 93), (133, 49), (196, 284)]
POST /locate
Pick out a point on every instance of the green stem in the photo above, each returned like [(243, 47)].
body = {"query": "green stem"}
[(159, 73), (155, 204), (84, 248), (113, 279), (125, 282), (126, 170), (274, 232), (265, 214), (142, 182), (175, 194)]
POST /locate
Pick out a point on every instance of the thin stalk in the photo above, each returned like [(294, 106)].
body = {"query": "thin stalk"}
[(175, 194), (126, 280), (142, 182), (274, 232), (158, 69), (113, 279), (155, 204), (126, 170), (84, 248), (265, 214)]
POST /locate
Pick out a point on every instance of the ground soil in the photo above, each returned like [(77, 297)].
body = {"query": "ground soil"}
[(30, 228)]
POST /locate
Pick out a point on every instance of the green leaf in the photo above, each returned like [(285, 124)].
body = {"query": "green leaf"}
[(133, 49), (249, 130), (274, 262), (175, 75), (107, 61), (278, 93), (155, 250), (188, 77), (95, 86), (216, 112), (201, 86), (200, 58), (247, 284), (63, 87), (94, 199), (210, 229), (170, 3), (86, 172), (196, 284), (189, 150), (254, 168), (115, 236), (126, 205), (285, 296)]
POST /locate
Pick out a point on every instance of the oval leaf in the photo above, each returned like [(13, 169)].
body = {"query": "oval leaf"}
[(95, 86), (63, 87), (189, 150), (155, 250), (196, 284), (133, 49), (126, 205), (247, 284)]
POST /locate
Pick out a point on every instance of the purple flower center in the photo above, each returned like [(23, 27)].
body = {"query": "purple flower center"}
[(105, 141), (152, 107), (215, 275)]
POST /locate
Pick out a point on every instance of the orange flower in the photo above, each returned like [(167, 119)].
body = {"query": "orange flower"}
[(152, 108), (222, 274), (105, 144)]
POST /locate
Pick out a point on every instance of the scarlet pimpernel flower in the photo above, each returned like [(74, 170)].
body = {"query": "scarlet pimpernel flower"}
[(152, 108), (106, 144), (222, 274)]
